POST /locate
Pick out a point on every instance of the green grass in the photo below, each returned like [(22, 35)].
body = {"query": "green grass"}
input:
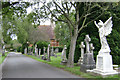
[(3, 57), (75, 70)]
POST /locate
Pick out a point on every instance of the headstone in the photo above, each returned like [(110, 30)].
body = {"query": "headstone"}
[(52, 51), (56, 50), (88, 60), (64, 59), (25, 51), (28, 51), (36, 50), (82, 46), (104, 65), (39, 52), (44, 57), (48, 53), (31, 51)]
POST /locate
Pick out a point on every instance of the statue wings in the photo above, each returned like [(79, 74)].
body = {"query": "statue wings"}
[(108, 26)]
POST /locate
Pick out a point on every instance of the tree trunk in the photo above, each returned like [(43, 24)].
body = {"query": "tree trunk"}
[(70, 62)]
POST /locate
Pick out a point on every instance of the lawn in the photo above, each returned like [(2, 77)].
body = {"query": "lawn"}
[(3, 57), (55, 61)]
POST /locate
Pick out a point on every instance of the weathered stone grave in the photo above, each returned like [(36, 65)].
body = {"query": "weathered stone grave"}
[(82, 46), (64, 59), (25, 51), (39, 53), (48, 53), (88, 59), (44, 57)]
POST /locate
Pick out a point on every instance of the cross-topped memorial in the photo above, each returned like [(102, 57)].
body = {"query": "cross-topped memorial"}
[(88, 58), (82, 46), (87, 40)]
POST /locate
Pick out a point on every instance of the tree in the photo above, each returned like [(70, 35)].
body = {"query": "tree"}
[(84, 14), (14, 14), (62, 33)]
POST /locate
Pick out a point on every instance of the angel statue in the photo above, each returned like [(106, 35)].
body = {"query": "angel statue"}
[(104, 30)]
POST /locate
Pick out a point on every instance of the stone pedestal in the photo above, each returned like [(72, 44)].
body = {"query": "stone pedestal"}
[(43, 58), (104, 64), (80, 61), (63, 62), (88, 62)]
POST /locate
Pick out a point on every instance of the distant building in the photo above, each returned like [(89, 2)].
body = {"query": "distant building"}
[(49, 30)]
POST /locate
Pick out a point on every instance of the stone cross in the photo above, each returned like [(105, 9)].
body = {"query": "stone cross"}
[(82, 46), (80, 61), (48, 53), (87, 40), (91, 48)]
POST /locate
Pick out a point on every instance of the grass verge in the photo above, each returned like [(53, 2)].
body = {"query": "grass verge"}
[(75, 70), (3, 57)]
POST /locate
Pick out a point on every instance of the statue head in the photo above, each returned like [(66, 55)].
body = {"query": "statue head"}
[(100, 24)]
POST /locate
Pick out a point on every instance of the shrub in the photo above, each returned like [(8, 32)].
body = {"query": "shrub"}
[(41, 45), (25, 45), (18, 49)]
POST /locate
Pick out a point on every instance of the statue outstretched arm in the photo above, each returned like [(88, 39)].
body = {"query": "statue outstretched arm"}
[(96, 24)]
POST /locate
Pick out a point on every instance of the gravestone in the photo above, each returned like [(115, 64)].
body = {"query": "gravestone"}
[(31, 52), (36, 50), (82, 46), (48, 53), (28, 51), (56, 50), (44, 54), (52, 51), (64, 59), (88, 60), (25, 51), (39, 52)]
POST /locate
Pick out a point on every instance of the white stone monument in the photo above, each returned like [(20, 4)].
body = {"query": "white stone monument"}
[(64, 59), (52, 51), (39, 52), (82, 46), (104, 65), (48, 53), (25, 50), (36, 50)]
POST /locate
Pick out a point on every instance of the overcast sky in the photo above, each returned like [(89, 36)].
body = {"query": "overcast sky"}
[(29, 10)]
